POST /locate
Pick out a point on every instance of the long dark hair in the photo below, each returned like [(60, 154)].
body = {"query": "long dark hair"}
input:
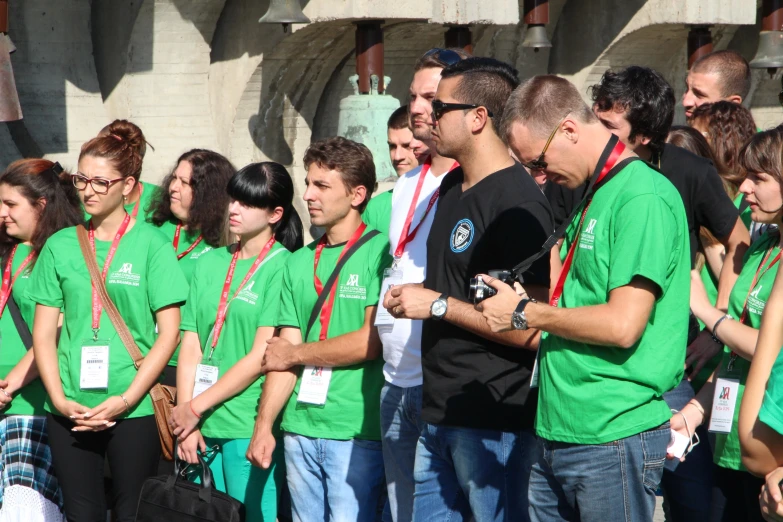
[(207, 213), (38, 179), (268, 185)]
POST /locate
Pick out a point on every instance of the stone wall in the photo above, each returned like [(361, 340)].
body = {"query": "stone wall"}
[(204, 73)]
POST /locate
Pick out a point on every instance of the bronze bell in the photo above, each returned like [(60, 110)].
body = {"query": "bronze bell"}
[(10, 109), (536, 37), (770, 51), (284, 12)]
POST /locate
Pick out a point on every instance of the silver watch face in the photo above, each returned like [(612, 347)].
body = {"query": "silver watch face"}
[(439, 308), (519, 321)]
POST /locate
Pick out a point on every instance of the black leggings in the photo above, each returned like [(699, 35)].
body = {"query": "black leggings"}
[(133, 450)]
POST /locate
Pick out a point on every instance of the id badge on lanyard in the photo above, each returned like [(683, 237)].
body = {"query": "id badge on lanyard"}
[(315, 385), (94, 371), (391, 277), (207, 374), (724, 399)]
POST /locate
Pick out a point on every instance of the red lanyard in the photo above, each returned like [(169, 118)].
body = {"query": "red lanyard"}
[(8, 282), (222, 310), (407, 235), (97, 307), (135, 211), (175, 242), (326, 310), (618, 149)]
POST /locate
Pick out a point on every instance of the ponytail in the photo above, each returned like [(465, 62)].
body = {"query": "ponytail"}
[(289, 230)]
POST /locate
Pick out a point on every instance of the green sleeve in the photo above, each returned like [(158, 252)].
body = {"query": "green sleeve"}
[(379, 262), (188, 321), (644, 236), (44, 287), (270, 307), (167, 284), (287, 316)]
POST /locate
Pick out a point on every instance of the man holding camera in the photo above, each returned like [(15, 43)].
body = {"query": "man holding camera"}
[(474, 455), (616, 324)]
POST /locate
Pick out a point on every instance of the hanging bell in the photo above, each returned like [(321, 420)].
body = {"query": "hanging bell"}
[(536, 37), (10, 109), (770, 51), (284, 12)]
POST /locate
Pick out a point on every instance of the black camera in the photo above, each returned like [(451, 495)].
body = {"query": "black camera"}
[(479, 290)]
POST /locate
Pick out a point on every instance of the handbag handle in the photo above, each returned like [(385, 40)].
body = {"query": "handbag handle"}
[(111, 310), (207, 481)]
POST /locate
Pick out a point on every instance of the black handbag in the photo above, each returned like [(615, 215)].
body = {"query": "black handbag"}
[(175, 499)]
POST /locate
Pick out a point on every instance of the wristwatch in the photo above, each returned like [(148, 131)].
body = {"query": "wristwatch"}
[(439, 307), (518, 318)]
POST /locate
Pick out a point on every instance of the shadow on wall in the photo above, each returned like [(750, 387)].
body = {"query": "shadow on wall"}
[(585, 29)]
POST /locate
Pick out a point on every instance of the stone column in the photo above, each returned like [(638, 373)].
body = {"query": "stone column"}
[(699, 43)]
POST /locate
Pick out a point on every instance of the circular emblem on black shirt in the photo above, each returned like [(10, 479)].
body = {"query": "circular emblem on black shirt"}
[(462, 235)]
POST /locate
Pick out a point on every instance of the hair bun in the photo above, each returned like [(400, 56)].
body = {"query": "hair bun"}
[(126, 132)]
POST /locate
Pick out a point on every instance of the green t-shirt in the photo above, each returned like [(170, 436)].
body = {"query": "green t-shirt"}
[(30, 399), (351, 409), (727, 446), (771, 412), (635, 226), (147, 194), (256, 305), (144, 277), (378, 212), (186, 238), (744, 213)]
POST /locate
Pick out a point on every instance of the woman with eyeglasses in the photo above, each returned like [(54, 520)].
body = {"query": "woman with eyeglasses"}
[(718, 402), (36, 200), (191, 211), (99, 403), (229, 316)]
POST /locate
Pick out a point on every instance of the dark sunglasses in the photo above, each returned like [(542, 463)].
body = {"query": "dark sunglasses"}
[(444, 57), (439, 108), (539, 163)]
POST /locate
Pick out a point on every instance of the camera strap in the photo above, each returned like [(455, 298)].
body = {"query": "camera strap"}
[(600, 174)]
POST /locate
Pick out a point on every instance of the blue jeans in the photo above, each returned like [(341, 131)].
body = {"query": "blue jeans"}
[(401, 426), (609, 482), (688, 486), (467, 474), (333, 480)]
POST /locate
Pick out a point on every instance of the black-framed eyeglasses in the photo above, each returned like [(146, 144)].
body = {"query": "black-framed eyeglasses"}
[(539, 163), (439, 108), (99, 185), (445, 57)]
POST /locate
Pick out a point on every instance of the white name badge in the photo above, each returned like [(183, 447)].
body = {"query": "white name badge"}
[(534, 373), (724, 402), (315, 384), (206, 376), (391, 277), (94, 374)]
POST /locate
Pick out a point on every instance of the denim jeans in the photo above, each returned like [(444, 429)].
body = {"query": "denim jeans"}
[(467, 474), (334, 480), (688, 486), (609, 482), (401, 426)]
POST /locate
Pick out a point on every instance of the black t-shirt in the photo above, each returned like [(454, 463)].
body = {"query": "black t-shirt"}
[(469, 381), (695, 178)]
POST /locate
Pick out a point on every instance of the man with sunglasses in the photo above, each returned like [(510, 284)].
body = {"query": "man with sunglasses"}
[(413, 204), (616, 322), (637, 105), (474, 455)]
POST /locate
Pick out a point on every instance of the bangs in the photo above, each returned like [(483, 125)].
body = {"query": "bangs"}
[(763, 153), (249, 186)]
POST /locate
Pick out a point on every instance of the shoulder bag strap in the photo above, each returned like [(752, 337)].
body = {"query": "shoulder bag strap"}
[(114, 315), (21, 326), (333, 279)]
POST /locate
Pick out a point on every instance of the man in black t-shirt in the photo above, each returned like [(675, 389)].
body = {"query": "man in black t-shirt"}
[(637, 104), (477, 446)]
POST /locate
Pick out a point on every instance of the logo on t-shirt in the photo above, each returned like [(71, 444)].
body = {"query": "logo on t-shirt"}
[(352, 289), (124, 276), (196, 255), (587, 236), (247, 295), (462, 236), (756, 305)]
